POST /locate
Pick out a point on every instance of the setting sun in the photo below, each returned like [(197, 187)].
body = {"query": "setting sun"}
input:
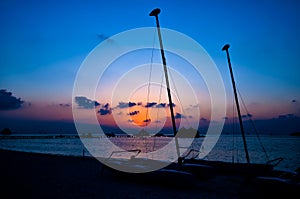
[(139, 116)]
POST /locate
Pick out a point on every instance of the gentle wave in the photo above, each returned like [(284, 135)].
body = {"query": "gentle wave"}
[(228, 148)]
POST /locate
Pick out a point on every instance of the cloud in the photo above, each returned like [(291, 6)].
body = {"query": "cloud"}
[(8, 101), (86, 103), (172, 104), (64, 105), (147, 120), (179, 116), (161, 105), (293, 101), (150, 104), (131, 104), (105, 109), (106, 106), (133, 113), (248, 115), (126, 105)]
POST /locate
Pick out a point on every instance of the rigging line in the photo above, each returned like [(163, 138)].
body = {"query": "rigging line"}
[(149, 81), (254, 127), (236, 127), (233, 132), (235, 151), (157, 113), (176, 91), (148, 91), (159, 101)]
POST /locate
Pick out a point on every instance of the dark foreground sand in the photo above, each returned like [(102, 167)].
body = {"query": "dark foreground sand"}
[(28, 175)]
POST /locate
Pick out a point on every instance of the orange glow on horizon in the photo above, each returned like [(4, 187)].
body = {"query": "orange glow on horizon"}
[(140, 116)]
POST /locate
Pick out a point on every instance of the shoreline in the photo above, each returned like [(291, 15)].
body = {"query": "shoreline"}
[(33, 175)]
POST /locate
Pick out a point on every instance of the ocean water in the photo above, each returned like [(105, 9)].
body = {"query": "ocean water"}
[(227, 148)]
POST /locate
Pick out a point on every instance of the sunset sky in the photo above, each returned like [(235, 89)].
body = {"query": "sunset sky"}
[(44, 43)]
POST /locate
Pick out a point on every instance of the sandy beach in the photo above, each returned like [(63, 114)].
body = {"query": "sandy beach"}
[(29, 175)]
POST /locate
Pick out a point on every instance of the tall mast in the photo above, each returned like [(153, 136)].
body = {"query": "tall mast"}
[(225, 48), (155, 13)]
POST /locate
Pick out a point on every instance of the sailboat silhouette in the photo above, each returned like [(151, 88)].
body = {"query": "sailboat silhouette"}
[(186, 167)]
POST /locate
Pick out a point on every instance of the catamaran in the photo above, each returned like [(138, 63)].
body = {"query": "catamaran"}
[(187, 166)]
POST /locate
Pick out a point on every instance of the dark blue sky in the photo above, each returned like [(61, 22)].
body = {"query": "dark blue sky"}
[(44, 42)]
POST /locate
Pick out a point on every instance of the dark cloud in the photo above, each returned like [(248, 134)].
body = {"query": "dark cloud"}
[(105, 109), (293, 101), (133, 113), (86, 103), (131, 104), (150, 104), (106, 106), (126, 105), (156, 105), (179, 116), (147, 120), (172, 104), (8, 101), (247, 115), (122, 105), (64, 105), (161, 105)]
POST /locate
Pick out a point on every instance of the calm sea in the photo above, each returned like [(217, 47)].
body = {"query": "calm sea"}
[(228, 148)]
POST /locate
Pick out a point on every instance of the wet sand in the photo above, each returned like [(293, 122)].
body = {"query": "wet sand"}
[(29, 175)]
